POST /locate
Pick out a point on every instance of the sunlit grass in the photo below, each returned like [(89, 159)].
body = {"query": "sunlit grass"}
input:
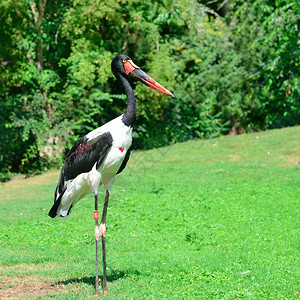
[(203, 219)]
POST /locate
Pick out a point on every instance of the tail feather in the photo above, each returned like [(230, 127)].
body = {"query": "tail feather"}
[(53, 210)]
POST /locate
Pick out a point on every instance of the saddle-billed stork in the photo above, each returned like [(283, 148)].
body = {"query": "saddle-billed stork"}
[(99, 156)]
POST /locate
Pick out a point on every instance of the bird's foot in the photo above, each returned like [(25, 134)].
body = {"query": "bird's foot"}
[(97, 233), (102, 229)]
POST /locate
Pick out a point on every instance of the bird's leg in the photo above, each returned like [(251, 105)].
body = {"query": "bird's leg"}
[(97, 235), (103, 231)]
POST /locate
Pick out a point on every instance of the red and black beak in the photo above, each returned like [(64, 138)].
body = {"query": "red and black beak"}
[(138, 74)]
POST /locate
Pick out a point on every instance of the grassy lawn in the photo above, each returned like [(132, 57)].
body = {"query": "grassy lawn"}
[(207, 219)]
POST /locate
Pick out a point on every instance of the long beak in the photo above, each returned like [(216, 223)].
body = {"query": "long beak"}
[(147, 80)]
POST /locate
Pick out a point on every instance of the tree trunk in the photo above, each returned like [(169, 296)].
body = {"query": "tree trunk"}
[(38, 19)]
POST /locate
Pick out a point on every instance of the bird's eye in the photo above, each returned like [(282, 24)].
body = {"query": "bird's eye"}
[(124, 60)]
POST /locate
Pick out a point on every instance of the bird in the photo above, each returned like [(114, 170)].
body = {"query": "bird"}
[(100, 155)]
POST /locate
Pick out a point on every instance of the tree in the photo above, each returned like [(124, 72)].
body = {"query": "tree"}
[(266, 33), (232, 65)]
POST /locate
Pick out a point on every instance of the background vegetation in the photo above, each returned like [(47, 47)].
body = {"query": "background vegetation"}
[(233, 66)]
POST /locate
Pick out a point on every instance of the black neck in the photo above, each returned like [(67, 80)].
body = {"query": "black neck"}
[(130, 112)]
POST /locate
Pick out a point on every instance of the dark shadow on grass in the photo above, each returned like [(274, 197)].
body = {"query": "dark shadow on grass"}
[(114, 275)]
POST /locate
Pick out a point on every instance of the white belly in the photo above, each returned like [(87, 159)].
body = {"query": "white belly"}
[(111, 165), (122, 139)]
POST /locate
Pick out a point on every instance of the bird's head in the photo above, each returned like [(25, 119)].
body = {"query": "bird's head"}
[(123, 65)]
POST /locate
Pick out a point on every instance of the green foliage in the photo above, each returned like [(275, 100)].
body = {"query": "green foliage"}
[(229, 74), (267, 35)]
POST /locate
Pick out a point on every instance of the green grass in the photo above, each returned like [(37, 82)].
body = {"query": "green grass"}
[(213, 219)]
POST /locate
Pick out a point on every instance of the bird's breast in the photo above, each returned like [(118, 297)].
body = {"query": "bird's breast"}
[(121, 142), (113, 159)]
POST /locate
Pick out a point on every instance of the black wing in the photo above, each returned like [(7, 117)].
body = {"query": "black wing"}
[(124, 163), (83, 156), (80, 159)]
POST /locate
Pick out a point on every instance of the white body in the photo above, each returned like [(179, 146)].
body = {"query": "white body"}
[(85, 183)]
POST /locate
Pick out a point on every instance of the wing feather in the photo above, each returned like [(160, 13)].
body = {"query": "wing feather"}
[(83, 156)]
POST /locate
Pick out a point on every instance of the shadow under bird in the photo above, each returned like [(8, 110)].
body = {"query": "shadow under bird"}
[(100, 155)]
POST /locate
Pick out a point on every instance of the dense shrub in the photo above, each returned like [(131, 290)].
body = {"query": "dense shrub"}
[(234, 73)]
